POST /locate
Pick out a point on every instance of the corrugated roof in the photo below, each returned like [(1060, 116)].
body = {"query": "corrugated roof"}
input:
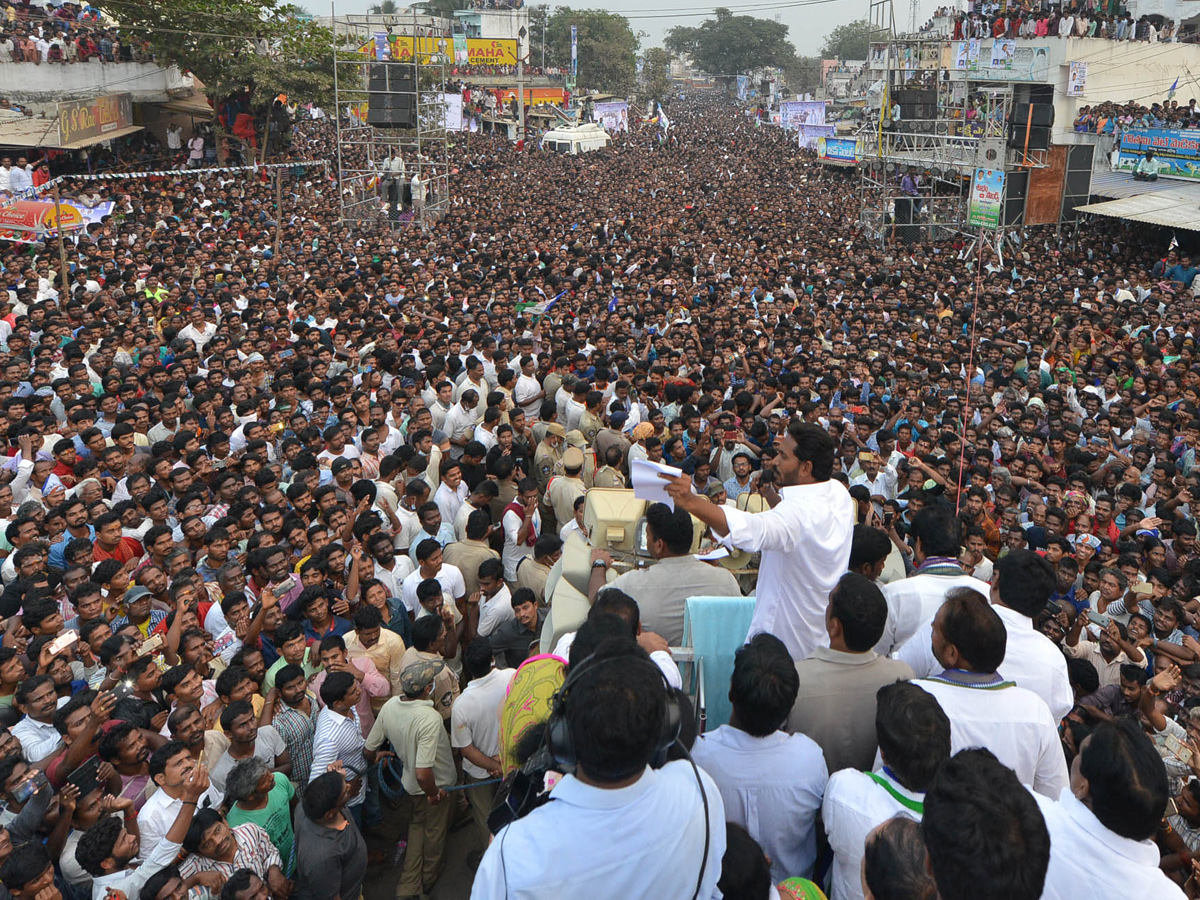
[(1177, 208), (1118, 185)]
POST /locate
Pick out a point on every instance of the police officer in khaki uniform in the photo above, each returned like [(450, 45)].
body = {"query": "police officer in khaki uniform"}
[(609, 475), (547, 462), (566, 487)]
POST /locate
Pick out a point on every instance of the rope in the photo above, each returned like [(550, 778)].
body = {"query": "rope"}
[(962, 453)]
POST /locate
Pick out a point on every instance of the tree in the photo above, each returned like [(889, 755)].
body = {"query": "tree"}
[(851, 41), (265, 46), (385, 8), (730, 45), (538, 17), (803, 74), (607, 47), (656, 73)]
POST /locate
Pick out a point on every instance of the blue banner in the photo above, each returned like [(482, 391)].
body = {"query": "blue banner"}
[(1178, 152), (840, 149)]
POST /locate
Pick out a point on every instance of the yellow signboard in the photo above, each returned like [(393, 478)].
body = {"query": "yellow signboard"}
[(483, 52)]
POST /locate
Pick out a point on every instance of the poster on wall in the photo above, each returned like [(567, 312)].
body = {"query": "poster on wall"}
[(1003, 52), (612, 116), (1077, 79), (987, 198)]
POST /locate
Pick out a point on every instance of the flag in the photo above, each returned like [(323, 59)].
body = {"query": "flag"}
[(1173, 88), (612, 304)]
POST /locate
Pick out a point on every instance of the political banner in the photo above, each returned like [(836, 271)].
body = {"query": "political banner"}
[(574, 51), (794, 113), (1077, 79), (837, 149), (808, 135), (1002, 54), (987, 198), (612, 116), (743, 87), (1178, 152)]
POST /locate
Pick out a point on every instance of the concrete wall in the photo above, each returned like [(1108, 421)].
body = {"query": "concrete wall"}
[(34, 85)]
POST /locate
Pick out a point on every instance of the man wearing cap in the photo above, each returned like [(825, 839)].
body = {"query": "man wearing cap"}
[(563, 489), (414, 729)]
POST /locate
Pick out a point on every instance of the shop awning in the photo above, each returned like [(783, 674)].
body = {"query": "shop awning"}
[(196, 107), (100, 138), (27, 132), (1175, 207)]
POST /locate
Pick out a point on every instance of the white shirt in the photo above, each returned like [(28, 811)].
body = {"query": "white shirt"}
[(771, 786), (157, 815), (1030, 659), (854, 805), (883, 484), (915, 600), (514, 552), (459, 421), (339, 737), (475, 717), (38, 739), (805, 544), (1013, 723), (494, 610), (645, 840), (449, 577), (527, 386), (449, 501), (1088, 860), (130, 881)]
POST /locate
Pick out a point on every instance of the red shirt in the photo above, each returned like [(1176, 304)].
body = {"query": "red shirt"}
[(126, 550)]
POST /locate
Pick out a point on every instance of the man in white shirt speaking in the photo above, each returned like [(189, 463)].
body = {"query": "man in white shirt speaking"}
[(1102, 829), (804, 539), (614, 827)]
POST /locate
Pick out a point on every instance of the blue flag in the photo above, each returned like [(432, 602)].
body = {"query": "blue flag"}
[(612, 304), (1173, 88)]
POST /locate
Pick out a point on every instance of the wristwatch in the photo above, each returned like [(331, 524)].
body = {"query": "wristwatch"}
[(599, 564)]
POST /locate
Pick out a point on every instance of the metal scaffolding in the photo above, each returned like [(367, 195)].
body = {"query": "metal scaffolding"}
[(376, 165), (937, 124)]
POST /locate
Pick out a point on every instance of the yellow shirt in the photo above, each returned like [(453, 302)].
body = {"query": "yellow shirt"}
[(386, 654)]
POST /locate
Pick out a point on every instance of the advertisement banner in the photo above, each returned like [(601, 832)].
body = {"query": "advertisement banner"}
[(612, 116), (533, 96), (837, 149), (1178, 152), (987, 198), (794, 113), (810, 134), (1077, 79), (1002, 54), (382, 51), (82, 119)]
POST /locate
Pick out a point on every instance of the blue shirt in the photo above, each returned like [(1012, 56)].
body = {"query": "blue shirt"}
[(58, 551), (338, 626)]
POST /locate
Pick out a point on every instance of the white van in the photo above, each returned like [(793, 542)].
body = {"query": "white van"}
[(576, 139)]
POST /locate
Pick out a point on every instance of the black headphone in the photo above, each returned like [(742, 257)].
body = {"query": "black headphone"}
[(559, 742)]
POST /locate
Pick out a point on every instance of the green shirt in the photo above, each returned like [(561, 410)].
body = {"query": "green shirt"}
[(309, 670), (275, 819)]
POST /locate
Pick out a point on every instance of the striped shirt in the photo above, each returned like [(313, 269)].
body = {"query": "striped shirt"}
[(339, 738), (254, 852), (297, 731)]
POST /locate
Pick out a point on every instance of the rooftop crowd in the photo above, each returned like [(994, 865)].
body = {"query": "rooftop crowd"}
[(63, 33), (283, 500)]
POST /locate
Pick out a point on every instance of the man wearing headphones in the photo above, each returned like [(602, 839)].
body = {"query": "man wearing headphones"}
[(614, 827)]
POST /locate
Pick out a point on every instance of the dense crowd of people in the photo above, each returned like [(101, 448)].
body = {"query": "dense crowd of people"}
[(63, 33), (284, 500), (1113, 118)]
